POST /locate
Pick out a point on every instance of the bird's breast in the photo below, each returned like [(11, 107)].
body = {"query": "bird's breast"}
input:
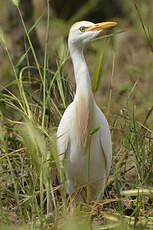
[(84, 118)]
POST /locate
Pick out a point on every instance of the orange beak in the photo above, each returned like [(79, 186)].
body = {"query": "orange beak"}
[(101, 26)]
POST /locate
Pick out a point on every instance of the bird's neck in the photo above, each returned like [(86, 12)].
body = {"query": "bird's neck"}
[(81, 72), (83, 98)]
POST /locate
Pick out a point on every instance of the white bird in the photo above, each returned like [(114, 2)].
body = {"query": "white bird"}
[(85, 158)]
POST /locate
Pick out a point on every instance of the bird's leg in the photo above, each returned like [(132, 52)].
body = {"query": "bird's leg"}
[(69, 186), (91, 192), (100, 190)]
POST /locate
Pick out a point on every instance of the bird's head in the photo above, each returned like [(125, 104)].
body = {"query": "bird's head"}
[(85, 31)]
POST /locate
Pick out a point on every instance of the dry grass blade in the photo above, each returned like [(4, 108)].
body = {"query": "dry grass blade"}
[(136, 192), (148, 115), (145, 28)]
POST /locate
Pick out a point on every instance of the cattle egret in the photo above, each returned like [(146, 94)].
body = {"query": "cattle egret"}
[(83, 136)]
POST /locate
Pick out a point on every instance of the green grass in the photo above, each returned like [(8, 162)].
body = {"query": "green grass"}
[(30, 195)]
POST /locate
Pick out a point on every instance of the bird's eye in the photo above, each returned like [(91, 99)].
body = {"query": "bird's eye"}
[(82, 28)]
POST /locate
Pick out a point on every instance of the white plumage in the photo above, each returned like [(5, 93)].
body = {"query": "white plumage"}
[(85, 158)]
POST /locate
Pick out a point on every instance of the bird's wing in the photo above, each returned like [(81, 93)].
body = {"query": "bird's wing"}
[(105, 139), (63, 132)]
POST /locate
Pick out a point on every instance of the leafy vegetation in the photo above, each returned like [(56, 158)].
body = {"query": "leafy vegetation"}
[(31, 105)]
